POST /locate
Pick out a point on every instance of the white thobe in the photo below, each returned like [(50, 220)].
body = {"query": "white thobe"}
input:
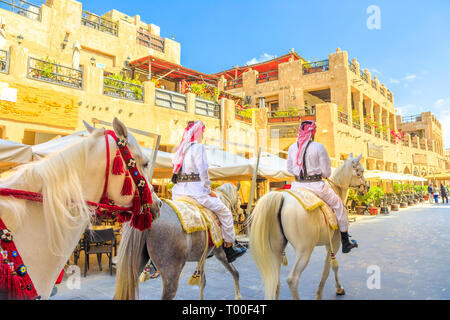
[(196, 162), (317, 161)]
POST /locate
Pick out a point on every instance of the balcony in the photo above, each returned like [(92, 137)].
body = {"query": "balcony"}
[(235, 83), (98, 23), (356, 125), (122, 89), (146, 39), (414, 118), (207, 108), (316, 66), (170, 99), (4, 61), (430, 145), (49, 71), (364, 76), (377, 134), (405, 142), (382, 91), (367, 129), (293, 115), (23, 8), (242, 114), (267, 76), (342, 117), (389, 96), (374, 85)]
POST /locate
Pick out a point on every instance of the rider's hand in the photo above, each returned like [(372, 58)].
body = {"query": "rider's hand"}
[(213, 194)]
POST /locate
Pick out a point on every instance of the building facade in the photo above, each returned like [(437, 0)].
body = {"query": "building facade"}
[(60, 65)]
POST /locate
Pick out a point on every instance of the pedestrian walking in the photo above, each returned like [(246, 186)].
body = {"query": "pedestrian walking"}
[(436, 194), (444, 194), (430, 192)]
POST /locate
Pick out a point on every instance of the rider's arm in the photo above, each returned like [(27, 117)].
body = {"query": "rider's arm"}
[(202, 167), (291, 165), (325, 162)]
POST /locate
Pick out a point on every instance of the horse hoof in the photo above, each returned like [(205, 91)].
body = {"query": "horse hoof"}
[(340, 292)]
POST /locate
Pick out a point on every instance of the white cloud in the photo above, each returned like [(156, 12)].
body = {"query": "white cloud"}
[(262, 58), (442, 102), (394, 81), (407, 110), (410, 77), (374, 71)]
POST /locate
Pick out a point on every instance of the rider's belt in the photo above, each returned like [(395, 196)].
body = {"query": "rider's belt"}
[(314, 178), (193, 177)]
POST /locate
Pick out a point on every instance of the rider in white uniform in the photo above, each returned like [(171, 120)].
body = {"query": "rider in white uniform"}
[(309, 162), (191, 179)]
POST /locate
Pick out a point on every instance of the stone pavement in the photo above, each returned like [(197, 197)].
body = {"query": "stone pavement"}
[(410, 247)]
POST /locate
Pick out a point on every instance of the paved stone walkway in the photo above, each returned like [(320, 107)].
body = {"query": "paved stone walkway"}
[(411, 248)]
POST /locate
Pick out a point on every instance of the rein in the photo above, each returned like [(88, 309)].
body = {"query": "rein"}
[(14, 278)]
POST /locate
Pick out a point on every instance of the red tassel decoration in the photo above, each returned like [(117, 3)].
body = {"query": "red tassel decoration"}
[(141, 221), (136, 208), (117, 168), (127, 188), (123, 217), (147, 196)]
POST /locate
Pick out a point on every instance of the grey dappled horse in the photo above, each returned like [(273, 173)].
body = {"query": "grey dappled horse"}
[(169, 247)]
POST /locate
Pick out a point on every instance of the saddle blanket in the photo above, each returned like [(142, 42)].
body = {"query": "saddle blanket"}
[(190, 213), (311, 202)]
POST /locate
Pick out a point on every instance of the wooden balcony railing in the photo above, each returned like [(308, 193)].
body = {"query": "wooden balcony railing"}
[(145, 38), (316, 66), (98, 23)]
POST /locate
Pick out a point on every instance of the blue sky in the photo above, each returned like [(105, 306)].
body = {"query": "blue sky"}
[(410, 53)]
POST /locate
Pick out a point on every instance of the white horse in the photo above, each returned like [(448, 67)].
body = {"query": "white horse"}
[(46, 233), (279, 218)]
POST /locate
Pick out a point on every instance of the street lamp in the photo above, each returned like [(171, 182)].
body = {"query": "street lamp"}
[(19, 39), (93, 61)]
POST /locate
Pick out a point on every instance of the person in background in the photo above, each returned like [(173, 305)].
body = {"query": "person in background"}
[(430, 193), (444, 194), (436, 194)]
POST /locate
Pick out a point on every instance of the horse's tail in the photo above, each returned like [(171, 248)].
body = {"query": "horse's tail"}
[(264, 229), (130, 256)]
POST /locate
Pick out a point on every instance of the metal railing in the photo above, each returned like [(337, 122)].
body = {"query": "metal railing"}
[(207, 108), (291, 115), (22, 8), (342, 117), (364, 76), (54, 73), (356, 125), (368, 128), (144, 38), (4, 61), (267, 76), (377, 134), (414, 118), (415, 144), (235, 83), (316, 66), (98, 23), (122, 89), (170, 99), (352, 66), (405, 142)]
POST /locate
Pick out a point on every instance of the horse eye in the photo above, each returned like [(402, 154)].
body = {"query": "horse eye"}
[(146, 165)]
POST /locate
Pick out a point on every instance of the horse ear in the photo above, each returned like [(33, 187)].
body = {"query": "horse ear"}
[(119, 128), (358, 159), (89, 128), (238, 186)]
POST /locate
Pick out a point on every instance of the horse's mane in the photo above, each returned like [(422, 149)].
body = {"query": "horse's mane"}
[(340, 174), (57, 178), (229, 189)]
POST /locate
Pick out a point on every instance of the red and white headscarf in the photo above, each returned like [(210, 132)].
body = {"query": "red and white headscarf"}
[(305, 134), (191, 134)]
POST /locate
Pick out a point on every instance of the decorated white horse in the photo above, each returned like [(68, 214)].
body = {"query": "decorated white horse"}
[(279, 218), (169, 246), (47, 205)]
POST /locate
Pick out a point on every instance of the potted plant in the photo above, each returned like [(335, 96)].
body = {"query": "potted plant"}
[(374, 197), (357, 199)]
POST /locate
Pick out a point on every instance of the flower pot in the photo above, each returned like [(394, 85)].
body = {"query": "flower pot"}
[(373, 211), (426, 197), (395, 207), (272, 120), (403, 205)]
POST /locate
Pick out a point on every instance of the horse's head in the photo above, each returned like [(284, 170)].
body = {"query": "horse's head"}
[(355, 171), (231, 193), (142, 163)]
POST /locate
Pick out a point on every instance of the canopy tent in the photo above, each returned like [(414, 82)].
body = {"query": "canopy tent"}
[(439, 176), (12, 154), (44, 149), (272, 166), (384, 175)]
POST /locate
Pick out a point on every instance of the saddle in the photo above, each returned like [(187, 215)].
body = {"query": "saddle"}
[(193, 216), (310, 202)]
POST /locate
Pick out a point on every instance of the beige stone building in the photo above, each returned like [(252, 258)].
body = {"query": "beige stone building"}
[(61, 65)]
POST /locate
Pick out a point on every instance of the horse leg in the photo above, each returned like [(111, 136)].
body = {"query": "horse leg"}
[(220, 255), (336, 245), (325, 273), (300, 265)]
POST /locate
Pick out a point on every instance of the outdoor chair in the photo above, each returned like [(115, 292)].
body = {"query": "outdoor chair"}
[(99, 242)]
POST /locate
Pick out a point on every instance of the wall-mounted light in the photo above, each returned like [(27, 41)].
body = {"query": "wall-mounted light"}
[(66, 40), (93, 61), (19, 39)]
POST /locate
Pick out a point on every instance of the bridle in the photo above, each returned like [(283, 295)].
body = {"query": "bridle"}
[(14, 278)]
